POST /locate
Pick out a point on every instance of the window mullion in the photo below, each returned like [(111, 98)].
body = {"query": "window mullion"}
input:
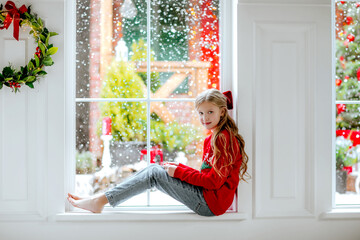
[(134, 99), (347, 101), (148, 74)]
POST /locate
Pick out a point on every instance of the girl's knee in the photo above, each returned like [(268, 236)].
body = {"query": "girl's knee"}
[(156, 170)]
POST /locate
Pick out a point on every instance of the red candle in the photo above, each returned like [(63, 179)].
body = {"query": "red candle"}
[(106, 126)]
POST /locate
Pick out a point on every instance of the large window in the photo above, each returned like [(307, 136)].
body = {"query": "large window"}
[(347, 81), (140, 64)]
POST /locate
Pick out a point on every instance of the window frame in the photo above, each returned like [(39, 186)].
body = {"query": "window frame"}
[(343, 210), (228, 73)]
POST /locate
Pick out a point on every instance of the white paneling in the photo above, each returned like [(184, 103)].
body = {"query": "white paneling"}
[(15, 155), (23, 139), (284, 97), (15, 52), (283, 117)]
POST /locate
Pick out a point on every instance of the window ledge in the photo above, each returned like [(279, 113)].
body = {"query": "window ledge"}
[(342, 213), (127, 216)]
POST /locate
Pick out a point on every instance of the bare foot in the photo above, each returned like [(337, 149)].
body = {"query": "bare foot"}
[(94, 204)]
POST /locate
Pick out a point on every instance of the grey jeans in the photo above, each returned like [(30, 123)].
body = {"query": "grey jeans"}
[(156, 176)]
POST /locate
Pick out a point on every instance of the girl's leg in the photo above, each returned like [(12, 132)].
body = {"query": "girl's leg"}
[(155, 176)]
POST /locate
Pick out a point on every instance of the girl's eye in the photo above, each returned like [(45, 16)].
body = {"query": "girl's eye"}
[(200, 113), (210, 112)]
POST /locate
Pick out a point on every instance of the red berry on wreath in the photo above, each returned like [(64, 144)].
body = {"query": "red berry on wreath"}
[(341, 58), (338, 82), (357, 5)]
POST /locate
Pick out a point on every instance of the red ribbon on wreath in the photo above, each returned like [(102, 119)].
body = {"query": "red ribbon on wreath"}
[(13, 16)]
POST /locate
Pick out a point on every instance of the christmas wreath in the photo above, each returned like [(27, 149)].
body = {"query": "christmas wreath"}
[(30, 73)]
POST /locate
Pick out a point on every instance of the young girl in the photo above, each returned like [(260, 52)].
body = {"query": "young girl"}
[(207, 192)]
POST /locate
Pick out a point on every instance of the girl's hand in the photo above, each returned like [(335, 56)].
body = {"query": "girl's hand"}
[(170, 169)]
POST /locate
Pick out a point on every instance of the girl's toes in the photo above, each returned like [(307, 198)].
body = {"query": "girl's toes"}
[(74, 196)]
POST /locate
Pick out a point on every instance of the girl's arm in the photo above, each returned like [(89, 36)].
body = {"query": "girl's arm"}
[(208, 180)]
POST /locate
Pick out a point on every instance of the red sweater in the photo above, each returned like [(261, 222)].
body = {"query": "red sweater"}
[(218, 191)]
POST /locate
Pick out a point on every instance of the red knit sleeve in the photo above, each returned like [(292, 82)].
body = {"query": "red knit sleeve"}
[(207, 179)]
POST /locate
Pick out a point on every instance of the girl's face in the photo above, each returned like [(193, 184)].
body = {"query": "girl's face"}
[(210, 114)]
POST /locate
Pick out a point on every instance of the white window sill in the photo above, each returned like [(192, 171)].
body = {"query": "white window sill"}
[(342, 213), (126, 216)]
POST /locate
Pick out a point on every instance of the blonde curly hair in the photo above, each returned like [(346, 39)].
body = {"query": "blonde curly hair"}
[(217, 98)]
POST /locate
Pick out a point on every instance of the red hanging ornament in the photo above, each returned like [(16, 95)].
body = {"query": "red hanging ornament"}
[(346, 77), (340, 108), (351, 37), (357, 5), (338, 82), (341, 58), (342, 2), (349, 20)]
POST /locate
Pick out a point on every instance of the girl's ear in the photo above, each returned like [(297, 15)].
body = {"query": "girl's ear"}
[(223, 111)]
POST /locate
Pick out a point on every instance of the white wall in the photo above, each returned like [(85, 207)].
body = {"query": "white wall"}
[(284, 86)]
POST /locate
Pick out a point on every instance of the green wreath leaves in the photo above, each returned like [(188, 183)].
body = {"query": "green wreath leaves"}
[(14, 78)]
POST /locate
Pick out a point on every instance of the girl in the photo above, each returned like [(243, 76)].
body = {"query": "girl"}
[(207, 192)]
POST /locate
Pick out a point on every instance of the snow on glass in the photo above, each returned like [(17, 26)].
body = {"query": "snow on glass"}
[(347, 84), (112, 57)]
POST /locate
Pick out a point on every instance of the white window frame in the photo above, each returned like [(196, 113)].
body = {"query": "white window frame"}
[(335, 101), (337, 211), (228, 72)]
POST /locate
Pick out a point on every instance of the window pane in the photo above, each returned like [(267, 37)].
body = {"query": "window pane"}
[(347, 51), (109, 144), (185, 43), (347, 150), (110, 47), (176, 136)]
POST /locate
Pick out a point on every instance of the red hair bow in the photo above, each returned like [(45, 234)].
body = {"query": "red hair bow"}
[(229, 99)]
